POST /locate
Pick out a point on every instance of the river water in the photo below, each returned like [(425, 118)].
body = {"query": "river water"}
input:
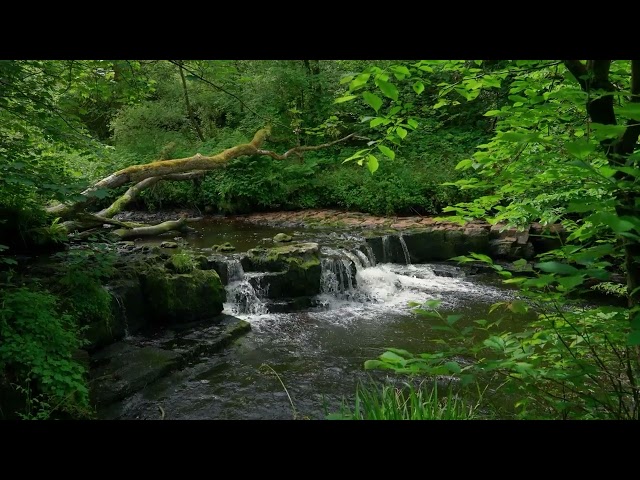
[(317, 353)]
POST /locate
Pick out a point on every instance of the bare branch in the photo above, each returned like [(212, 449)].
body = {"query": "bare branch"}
[(306, 148)]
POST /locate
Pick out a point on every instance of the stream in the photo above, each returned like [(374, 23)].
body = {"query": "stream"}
[(318, 352)]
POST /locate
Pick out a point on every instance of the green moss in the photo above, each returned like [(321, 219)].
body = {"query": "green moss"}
[(225, 247), (282, 237), (183, 297), (181, 262)]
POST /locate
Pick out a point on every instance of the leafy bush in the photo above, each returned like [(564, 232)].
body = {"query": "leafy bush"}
[(37, 344), (80, 285)]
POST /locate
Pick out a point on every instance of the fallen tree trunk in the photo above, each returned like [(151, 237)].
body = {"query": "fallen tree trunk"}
[(146, 175), (152, 230)]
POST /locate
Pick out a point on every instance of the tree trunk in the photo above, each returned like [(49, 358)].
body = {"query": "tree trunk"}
[(595, 76), (192, 115), (77, 220)]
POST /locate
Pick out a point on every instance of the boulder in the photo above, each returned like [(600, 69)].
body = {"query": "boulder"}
[(282, 237), (183, 297)]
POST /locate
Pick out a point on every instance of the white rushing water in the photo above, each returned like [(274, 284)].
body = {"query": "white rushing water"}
[(242, 297), (352, 287)]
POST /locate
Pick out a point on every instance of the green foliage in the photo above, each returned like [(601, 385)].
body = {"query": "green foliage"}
[(387, 402), (80, 285), (182, 262), (545, 164), (37, 344)]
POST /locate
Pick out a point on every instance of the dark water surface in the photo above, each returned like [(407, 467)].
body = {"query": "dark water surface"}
[(319, 353)]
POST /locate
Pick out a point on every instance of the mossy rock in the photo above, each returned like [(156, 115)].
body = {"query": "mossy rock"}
[(184, 297), (282, 237), (181, 263), (294, 269), (282, 258), (225, 247)]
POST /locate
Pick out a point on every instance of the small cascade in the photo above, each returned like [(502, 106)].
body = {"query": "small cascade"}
[(407, 258), (386, 249), (370, 255), (242, 297), (235, 272), (364, 260), (339, 270), (357, 261), (122, 307)]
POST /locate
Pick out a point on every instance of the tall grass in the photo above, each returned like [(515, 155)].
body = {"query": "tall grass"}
[(374, 402)]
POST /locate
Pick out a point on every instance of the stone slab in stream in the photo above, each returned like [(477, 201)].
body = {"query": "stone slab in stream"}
[(128, 366)]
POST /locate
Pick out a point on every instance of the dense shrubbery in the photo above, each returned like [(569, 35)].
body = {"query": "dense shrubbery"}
[(412, 183)]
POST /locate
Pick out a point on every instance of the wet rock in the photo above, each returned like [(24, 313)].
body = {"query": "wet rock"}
[(282, 237), (135, 364), (295, 267), (179, 298), (169, 245), (225, 247), (546, 238), (125, 369), (508, 248)]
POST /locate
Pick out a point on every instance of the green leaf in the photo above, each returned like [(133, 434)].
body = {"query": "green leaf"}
[(372, 100), (634, 172), (633, 338), (401, 132), (358, 154), (387, 151), (557, 267), (412, 123), (400, 69), (373, 364), (453, 367), (602, 132), (372, 163), (100, 193), (617, 224), (518, 306), (515, 137), (630, 110), (418, 87), (580, 148), (482, 257), (401, 352), (346, 79), (391, 357), (378, 121), (451, 319), (359, 82), (388, 89), (346, 98), (571, 282), (464, 164)]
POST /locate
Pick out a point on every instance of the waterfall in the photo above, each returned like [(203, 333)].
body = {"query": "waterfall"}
[(235, 272), (386, 249), (370, 255), (339, 270), (407, 258), (242, 297), (364, 260), (122, 307)]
